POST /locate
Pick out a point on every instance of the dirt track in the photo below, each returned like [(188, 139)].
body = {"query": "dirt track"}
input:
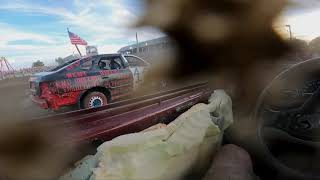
[(17, 105), (15, 102)]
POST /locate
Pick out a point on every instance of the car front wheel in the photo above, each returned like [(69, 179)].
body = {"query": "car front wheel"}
[(94, 100)]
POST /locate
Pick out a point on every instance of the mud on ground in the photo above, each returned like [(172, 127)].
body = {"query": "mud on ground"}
[(15, 103)]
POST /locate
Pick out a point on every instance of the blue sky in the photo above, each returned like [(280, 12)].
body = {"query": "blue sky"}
[(37, 29)]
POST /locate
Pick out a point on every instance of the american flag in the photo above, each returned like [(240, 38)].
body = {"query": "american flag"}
[(75, 39)]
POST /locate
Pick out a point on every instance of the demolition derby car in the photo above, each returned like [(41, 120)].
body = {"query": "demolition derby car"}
[(88, 82)]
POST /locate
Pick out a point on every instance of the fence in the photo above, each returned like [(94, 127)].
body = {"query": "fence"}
[(23, 72)]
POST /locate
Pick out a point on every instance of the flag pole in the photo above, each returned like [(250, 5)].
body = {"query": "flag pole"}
[(78, 50)]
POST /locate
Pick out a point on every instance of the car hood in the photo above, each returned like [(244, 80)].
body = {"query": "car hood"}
[(43, 74)]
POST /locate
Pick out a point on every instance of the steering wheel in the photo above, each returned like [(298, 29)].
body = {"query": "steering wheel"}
[(288, 116)]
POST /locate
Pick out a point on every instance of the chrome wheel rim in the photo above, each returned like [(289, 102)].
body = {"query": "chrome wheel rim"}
[(95, 101)]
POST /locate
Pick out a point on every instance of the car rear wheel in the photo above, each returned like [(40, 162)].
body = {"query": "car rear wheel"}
[(94, 100)]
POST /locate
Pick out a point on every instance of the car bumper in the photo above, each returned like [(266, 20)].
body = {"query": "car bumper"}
[(40, 102)]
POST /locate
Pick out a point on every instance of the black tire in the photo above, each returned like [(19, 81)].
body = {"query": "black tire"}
[(93, 100)]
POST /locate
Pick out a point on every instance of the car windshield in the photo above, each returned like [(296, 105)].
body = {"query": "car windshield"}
[(63, 65)]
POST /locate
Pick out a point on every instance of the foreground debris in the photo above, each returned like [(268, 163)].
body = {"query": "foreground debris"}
[(231, 42), (186, 145)]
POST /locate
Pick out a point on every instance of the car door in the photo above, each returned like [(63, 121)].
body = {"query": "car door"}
[(115, 76), (138, 67), (75, 77)]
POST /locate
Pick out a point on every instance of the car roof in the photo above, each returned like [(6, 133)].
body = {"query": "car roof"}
[(101, 55)]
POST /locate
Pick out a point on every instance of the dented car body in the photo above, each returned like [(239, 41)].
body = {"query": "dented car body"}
[(88, 82)]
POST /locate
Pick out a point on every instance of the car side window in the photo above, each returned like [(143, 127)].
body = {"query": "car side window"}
[(86, 65), (119, 61), (133, 61), (110, 63)]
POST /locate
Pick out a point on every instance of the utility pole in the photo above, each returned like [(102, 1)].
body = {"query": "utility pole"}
[(137, 42), (289, 27)]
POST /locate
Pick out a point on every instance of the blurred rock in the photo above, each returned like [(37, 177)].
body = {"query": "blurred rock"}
[(224, 40), (231, 163)]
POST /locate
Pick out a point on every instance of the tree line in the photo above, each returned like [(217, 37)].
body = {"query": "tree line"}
[(39, 63)]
